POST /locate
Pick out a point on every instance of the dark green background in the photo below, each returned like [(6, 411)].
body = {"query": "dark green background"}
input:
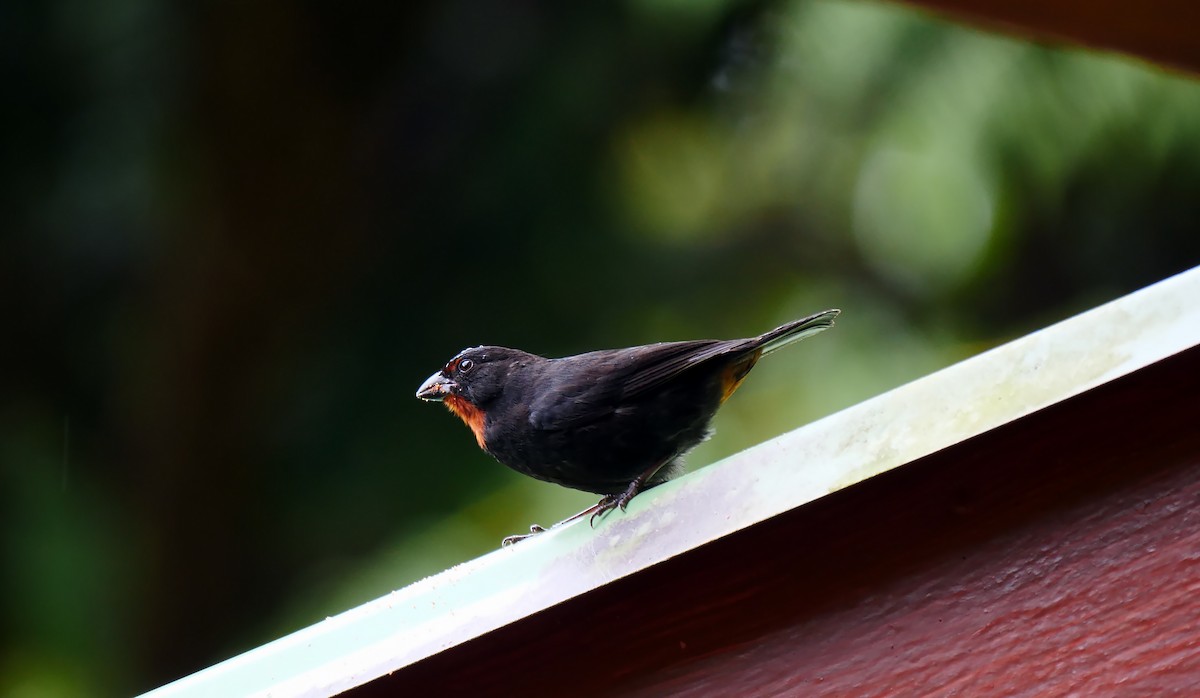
[(235, 237)]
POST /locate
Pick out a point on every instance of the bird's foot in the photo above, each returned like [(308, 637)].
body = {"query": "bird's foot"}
[(597, 511), (613, 501), (533, 531), (605, 505)]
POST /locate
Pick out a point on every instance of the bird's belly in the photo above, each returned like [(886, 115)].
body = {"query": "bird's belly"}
[(605, 456)]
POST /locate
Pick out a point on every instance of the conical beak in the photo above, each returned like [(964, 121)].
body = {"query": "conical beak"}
[(436, 387)]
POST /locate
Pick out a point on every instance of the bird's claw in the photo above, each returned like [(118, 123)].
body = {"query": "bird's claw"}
[(599, 511), (603, 507), (612, 501), (533, 531)]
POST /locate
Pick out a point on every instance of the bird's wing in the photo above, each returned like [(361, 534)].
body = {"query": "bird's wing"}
[(653, 374), (677, 357), (573, 398)]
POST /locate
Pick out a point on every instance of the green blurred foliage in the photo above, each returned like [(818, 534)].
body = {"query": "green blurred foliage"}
[(237, 236)]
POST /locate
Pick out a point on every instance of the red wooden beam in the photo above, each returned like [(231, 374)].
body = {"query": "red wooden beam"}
[(1162, 31), (1058, 554)]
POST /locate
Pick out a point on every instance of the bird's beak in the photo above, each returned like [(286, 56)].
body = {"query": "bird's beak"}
[(436, 387)]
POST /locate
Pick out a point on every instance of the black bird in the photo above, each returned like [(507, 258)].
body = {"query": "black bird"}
[(612, 422)]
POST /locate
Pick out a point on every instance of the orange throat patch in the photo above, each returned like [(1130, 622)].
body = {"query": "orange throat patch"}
[(471, 415)]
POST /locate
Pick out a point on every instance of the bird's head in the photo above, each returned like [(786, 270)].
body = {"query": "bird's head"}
[(471, 381)]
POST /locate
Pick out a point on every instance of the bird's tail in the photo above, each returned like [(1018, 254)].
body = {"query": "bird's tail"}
[(797, 330)]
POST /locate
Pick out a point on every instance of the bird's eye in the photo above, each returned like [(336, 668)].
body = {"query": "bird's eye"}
[(465, 366)]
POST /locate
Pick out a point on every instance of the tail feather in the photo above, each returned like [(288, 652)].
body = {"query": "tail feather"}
[(797, 330), (672, 358)]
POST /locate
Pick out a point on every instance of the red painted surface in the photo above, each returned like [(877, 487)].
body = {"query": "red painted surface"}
[(1159, 30), (1059, 555)]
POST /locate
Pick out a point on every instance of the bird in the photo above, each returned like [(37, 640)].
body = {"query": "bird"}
[(612, 422)]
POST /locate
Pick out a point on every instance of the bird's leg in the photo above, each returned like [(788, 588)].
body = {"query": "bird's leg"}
[(606, 504), (533, 531), (536, 529), (611, 502)]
